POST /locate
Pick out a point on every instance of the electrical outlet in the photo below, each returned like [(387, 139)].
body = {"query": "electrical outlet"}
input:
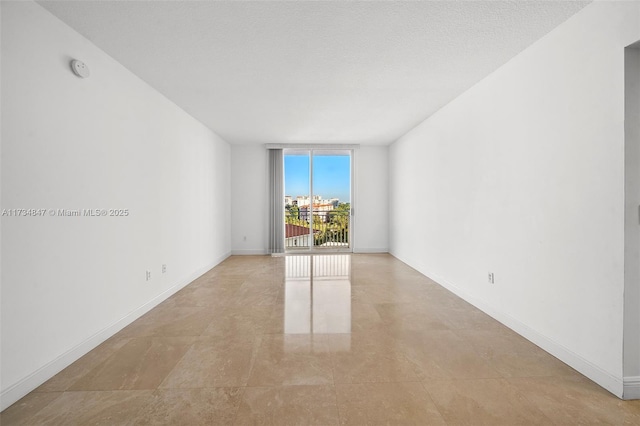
[(164, 268), (490, 277), (148, 275)]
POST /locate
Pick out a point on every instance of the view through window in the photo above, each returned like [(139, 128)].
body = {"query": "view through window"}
[(317, 199)]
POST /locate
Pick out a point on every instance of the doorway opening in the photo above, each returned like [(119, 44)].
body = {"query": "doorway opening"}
[(318, 194)]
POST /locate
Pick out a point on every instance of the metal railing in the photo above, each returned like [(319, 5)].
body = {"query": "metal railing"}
[(330, 230)]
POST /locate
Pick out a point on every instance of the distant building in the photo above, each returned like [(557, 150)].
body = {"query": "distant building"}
[(304, 200), (321, 210), (320, 205)]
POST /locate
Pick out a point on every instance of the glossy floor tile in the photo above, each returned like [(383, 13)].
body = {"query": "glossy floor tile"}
[(288, 405), (317, 340), (94, 408), (292, 359), (400, 403), (203, 406), (485, 402), (142, 363), (213, 362)]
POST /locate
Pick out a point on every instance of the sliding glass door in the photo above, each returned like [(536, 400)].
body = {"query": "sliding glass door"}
[(317, 199), (297, 181)]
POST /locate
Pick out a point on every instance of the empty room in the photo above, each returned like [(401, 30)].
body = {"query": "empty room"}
[(319, 212)]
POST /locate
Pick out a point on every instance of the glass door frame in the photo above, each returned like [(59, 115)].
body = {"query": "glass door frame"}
[(326, 151)]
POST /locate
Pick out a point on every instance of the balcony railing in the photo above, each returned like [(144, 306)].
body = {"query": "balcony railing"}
[(330, 230)]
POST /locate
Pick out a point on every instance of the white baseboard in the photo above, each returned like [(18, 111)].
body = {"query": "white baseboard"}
[(363, 250), (608, 381), (21, 388), (631, 388), (248, 252)]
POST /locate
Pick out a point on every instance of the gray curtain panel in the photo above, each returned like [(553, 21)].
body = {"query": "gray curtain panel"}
[(276, 201)]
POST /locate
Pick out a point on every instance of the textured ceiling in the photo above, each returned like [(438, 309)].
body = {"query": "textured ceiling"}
[(356, 72)]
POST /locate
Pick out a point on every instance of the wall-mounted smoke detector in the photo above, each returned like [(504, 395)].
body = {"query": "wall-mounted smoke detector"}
[(79, 68)]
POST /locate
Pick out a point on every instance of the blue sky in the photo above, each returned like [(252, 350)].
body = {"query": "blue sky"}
[(331, 176)]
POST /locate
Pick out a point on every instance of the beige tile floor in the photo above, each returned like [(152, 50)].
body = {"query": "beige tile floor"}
[(367, 341)]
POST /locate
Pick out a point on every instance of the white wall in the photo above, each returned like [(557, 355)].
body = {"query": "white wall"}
[(523, 176), (371, 203), (109, 141), (249, 193), (249, 190), (632, 224)]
